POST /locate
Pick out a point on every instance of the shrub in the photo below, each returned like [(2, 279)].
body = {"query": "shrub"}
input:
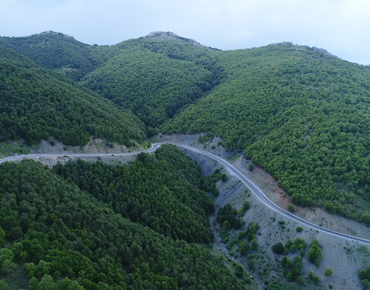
[(328, 272), (278, 248), (314, 254), (254, 244), (243, 208), (288, 244), (291, 208), (299, 229), (293, 248), (300, 243), (300, 281)]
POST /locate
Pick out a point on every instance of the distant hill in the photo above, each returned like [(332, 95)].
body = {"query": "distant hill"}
[(299, 112), (36, 103), (56, 51), (154, 76)]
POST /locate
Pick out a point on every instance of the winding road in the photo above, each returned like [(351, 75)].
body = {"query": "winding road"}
[(250, 185)]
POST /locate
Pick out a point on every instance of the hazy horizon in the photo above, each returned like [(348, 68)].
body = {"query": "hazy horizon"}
[(340, 27)]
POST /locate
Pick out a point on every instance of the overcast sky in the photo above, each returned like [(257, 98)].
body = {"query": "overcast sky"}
[(341, 27)]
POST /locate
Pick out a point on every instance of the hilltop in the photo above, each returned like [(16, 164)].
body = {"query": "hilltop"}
[(36, 103), (298, 112), (55, 51)]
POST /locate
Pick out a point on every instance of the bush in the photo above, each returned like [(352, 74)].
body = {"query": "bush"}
[(239, 271), (314, 254), (254, 244), (250, 167), (278, 248), (288, 244), (243, 208), (300, 281), (300, 243), (293, 249), (299, 229), (328, 272), (239, 222), (291, 208)]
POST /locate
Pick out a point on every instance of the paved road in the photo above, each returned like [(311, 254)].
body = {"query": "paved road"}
[(263, 198), (250, 185), (18, 157)]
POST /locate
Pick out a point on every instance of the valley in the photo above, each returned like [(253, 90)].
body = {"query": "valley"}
[(263, 210), (160, 163)]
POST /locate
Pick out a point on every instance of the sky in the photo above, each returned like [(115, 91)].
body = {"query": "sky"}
[(340, 27)]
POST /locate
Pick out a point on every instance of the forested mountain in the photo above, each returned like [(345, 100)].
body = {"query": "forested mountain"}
[(155, 192), (55, 51), (301, 115), (154, 76), (72, 234), (298, 112), (36, 103)]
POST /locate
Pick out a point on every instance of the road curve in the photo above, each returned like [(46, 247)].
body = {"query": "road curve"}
[(250, 185), (263, 198)]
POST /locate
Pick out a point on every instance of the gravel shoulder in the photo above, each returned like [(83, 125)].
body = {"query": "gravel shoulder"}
[(344, 257)]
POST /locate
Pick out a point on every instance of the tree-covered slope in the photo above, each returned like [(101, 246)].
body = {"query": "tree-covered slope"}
[(71, 239), (55, 51), (36, 103), (154, 76), (161, 192), (301, 115)]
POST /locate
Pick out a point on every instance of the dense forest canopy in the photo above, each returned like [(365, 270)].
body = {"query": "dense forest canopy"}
[(300, 115), (162, 192), (55, 51), (36, 103), (70, 233), (154, 76), (297, 112)]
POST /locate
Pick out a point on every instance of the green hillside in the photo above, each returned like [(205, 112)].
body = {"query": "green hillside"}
[(154, 76), (298, 112), (36, 103), (55, 51), (301, 115), (69, 236), (166, 202)]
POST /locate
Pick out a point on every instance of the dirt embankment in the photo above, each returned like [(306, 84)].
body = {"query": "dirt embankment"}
[(271, 189), (95, 146), (344, 257)]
